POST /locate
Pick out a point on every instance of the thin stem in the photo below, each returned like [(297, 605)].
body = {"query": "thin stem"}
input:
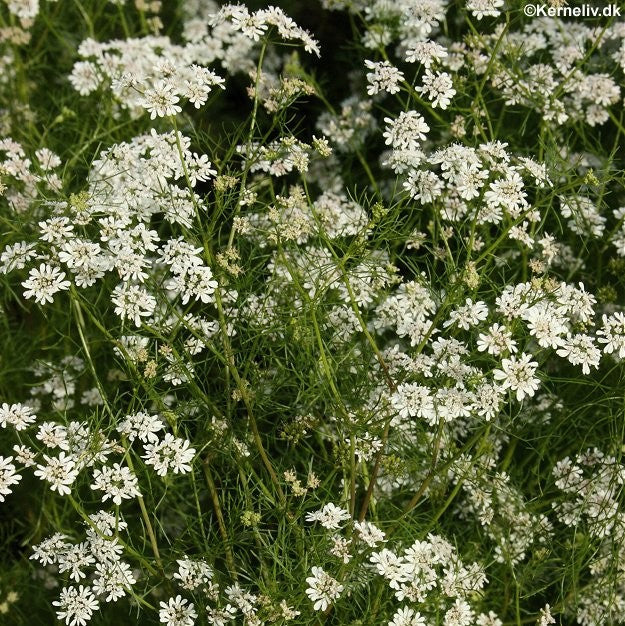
[(223, 531), (431, 472), (250, 137), (144, 512)]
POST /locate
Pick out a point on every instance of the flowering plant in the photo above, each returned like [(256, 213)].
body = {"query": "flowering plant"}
[(281, 348)]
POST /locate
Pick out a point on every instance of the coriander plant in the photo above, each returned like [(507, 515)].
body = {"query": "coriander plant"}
[(312, 313)]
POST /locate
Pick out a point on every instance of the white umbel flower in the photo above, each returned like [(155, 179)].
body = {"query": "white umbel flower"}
[(117, 482), (413, 400), (383, 77), (405, 132), (59, 471), (133, 302), (161, 101), (322, 589), (407, 617), (518, 375), (76, 605), (43, 282), (20, 416), (177, 612), (438, 88), (171, 453), (8, 476), (330, 516)]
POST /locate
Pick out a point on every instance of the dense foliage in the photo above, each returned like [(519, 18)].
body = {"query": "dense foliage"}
[(311, 313)]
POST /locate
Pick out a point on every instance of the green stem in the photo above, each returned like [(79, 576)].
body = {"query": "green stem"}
[(144, 512), (223, 531)]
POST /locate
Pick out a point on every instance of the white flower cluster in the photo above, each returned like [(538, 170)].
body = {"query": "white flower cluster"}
[(235, 603), (95, 565), (549, 312), (425, 568), (158, 76), (401, 21), (121, 241), (492, 498), (545, 77), (149, 74), (78, 448), (27, 178), (593, 482), (429, 566), (254, 25)]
